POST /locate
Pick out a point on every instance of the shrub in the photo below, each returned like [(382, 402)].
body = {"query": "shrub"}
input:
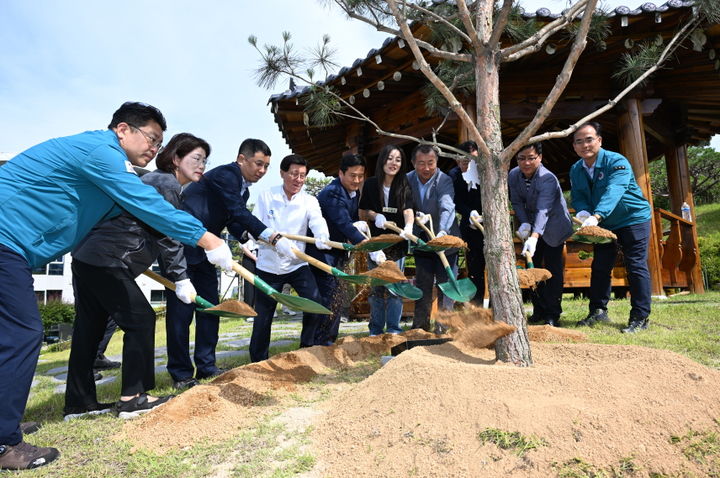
[(56, 312), (710, 258)]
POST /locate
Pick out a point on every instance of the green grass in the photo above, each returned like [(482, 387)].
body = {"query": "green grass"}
[(708, 219), (514, 441)]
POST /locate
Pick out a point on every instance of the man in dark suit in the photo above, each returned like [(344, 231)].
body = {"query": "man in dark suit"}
[(545, 224), (219, 200), (469, 204), (339, 202), (433, 195)]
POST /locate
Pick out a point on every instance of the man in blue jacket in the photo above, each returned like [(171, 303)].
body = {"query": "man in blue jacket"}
[(545, 224), (605, 193), (51, 195), (433, 195), (339, 203), (218, 200)]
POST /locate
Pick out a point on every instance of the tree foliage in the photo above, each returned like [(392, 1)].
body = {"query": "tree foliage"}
[(704, 168)]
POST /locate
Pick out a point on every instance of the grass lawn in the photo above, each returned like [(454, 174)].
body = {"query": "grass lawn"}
[(686, 324)]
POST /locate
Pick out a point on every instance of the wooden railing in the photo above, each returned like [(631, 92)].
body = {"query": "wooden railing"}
[(678, 251)]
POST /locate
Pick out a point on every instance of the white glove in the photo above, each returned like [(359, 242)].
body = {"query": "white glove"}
[(380, 221), (530, 245), (284, 248), (590, 221), (524, 230), (321, 243), (582, 215), (221, 257), (407, 231), (185, 291), (477, 216), (440, 234), (422, 218), (378, 257), (362, 226)]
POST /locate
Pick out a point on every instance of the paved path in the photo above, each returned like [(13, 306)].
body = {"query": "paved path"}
[(285, 333)]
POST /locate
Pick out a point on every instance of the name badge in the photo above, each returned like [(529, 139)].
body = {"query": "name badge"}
[(391, 210)]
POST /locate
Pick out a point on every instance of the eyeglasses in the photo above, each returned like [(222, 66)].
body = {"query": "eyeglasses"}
[(588, 140), (199, 160), (520, 159), (297, 175), (151, 139)]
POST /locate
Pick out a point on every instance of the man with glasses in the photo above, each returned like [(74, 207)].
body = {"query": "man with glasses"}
[(545, 224), (469, 205), (605, 193), (339, 202), (51, 196), (293, 211), (218, 200)]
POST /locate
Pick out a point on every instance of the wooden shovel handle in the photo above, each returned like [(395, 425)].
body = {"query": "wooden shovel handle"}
[(429, 232), (477, 224), (576, 220), (158, 278), (395, 228), (311, 240), (431, 235), (311, 260)]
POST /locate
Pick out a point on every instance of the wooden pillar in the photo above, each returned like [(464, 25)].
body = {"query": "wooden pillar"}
[(678, 174), (631, 136)]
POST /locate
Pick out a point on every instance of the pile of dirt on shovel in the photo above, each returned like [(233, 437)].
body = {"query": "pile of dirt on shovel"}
[(387, 271), (595, 231), (447, 241), (382, 238), (530, 278), (236, 307)]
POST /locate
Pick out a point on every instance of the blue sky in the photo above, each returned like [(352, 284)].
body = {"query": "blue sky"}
[(66, 66)]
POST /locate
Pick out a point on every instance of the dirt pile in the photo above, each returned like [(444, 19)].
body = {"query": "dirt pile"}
[(447, 241), (387, 271), (474, 326), (529, 278), (422, 413), (236, 307), (595, 231)]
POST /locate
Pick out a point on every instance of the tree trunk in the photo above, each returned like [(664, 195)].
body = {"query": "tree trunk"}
[(499, 251)]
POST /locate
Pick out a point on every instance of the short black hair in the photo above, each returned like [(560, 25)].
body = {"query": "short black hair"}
[(468, 146), (594, 124), (537, 146), (250, 146), (423, 149), (137, 114), (179, 145), (291, 159), (348, 160)]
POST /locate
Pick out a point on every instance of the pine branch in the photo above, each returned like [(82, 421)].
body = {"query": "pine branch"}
[(467, 22), (443, 20), (500, 23), (560, 83)]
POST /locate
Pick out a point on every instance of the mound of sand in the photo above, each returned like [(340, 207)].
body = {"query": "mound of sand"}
[(421, 413), (387, 271), (529, 278), (447, 241)]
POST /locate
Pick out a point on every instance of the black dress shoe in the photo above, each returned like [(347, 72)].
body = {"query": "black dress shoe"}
[(217, 372), (104, 363), (552, 322), (598, 315), (185, 384), (97, 376), (635, 325)]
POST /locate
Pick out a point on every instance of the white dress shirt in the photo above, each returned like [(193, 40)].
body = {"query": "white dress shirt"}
[(291, 216)]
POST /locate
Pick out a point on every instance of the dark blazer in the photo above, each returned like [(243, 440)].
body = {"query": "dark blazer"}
[(438, 202), (217, 202), (465, 201), (542, 205), (339, 211)]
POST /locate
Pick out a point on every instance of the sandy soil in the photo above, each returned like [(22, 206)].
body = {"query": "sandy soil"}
[(420, 414)]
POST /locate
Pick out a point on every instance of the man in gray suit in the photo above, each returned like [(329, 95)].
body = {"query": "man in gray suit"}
[(545, 225), (433, 195)]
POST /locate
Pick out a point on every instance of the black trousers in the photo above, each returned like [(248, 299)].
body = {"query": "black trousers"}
[(475, 261), (303, 282), (102, 292), (547, 298)]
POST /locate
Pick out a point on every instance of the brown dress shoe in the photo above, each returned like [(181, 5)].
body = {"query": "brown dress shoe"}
[(25, 456)]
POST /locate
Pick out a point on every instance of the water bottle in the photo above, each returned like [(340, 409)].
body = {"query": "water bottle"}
[(685, 212)]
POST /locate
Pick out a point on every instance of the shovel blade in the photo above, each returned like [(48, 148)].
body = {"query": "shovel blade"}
[(590, 239), (462, 290), (300, 303), (405, 289), (223, 313)]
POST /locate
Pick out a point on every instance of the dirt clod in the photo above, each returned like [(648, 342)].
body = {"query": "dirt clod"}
[(595, 231), (387, 271), (529, 278), (447, 241), (235, 307)]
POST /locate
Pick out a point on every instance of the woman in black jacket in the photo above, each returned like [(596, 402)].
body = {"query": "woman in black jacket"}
[(105, 265), (387, 197)]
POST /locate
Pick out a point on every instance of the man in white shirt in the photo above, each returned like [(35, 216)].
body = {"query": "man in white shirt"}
[(289, 209)]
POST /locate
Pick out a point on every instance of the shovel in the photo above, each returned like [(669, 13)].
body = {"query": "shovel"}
[(355, 279), (477, 224), (587, 238), (462, 290), (420, 245), (295, 303), (365, 246), (207, 307)]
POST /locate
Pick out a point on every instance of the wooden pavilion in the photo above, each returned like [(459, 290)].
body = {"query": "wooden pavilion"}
[(677, 107)]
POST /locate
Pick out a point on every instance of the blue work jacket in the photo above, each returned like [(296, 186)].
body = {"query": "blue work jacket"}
[(52, 194), (612, 192)]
